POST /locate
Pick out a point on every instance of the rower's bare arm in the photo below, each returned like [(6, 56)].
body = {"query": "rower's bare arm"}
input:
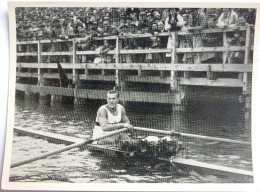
[(125, 119), (102, 118)]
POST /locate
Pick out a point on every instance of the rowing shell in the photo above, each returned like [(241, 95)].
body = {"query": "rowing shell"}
[(108, 149)]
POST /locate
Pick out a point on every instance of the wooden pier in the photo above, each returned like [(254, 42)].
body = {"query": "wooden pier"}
[(162, 82)]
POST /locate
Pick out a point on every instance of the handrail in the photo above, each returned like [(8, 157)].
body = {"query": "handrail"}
[(215, 30)]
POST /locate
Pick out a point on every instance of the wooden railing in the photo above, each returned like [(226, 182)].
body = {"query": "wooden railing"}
[(173, 67)]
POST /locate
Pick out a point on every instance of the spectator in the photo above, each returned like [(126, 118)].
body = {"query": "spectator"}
[(228, 18), (106, 27), (102, 53), (174, 21)]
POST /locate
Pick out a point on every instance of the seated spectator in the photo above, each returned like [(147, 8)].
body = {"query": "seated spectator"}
[(122, 21), (228, 18), (122, 30), (161, 27), (212, 21), (106, 27), (143, 29), (142, 20), (114, 30), (149, 20), (102, 51), (154, 28)]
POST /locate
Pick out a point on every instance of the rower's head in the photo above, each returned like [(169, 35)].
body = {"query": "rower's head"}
[(112, 98)]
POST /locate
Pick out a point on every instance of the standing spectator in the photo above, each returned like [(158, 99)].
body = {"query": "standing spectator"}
[(198, 22), (174, 21), (228, 18)]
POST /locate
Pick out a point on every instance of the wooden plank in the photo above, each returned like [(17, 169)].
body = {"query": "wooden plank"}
[(97, 77), (56, 75), (56, 91), (26, 42), (54, 41), (242, 28), (147, 79), (27, 74), (57, 53), (145, 51), (132, 51), (27, 54), (145, 66), (210, 49), (152, 97), (220, 82)]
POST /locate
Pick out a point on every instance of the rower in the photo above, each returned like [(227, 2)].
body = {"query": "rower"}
[(110, 117)]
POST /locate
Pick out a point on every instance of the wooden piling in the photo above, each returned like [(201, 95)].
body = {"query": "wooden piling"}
[(174, 86), (247, 83)]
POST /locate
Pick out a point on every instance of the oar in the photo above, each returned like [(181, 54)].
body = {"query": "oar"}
[(191, 135), (68, 148)]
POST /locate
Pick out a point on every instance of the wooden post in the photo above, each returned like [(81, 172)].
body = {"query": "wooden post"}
[(86, 69), (117, 80), (225, 54), (174, 87), (40, 74), (75, 78), (246, 82), (173, 61), (209, 72), (44, 99)]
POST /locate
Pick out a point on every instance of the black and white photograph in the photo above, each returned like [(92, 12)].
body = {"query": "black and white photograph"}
[(140, 93)]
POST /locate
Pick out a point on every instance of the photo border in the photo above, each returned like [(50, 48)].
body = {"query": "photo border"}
[(129, 186)]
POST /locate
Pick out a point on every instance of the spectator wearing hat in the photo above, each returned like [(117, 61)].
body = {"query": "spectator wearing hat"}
[(156, 17), (130, 11)]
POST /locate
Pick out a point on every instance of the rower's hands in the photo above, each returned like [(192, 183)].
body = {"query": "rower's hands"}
[(128, 126)]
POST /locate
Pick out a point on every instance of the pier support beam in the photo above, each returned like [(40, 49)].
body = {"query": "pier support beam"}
[(174, 82), (247, 82), (56, 100), (45, 99)]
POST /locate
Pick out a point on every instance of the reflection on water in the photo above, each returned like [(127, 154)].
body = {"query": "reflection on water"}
[(84, 166)]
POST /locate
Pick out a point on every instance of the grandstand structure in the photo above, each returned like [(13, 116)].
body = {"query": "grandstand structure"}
[(163, 82)]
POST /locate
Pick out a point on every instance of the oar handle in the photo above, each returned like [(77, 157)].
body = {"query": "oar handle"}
[(68, 148), (191, 135)]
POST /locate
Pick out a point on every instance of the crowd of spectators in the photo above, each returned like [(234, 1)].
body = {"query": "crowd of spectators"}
[(87, 23), (65, 23)]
